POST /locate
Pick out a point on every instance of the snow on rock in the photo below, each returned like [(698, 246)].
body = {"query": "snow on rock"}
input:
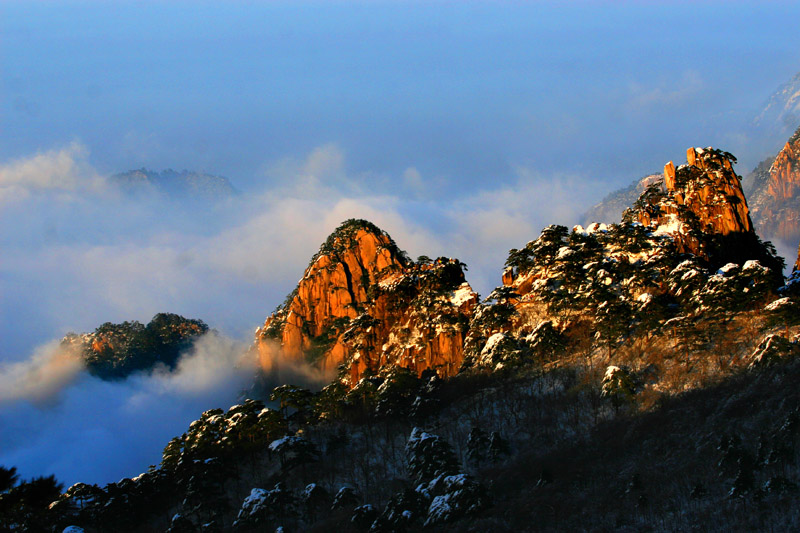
[(773, 349), (591, 228), (281, 443), (610, 371), (346, 497), (499, 348), (493, 342), (645, 298), (779, 305), (253, 503), (564, 252), (729, 269), (462, 295), (671, 226), (453, 497)]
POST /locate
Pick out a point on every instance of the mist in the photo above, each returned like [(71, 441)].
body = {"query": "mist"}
[(81, 253), (62, 420)]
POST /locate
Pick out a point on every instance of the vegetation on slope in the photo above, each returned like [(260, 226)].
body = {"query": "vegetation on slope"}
[(114, 351)]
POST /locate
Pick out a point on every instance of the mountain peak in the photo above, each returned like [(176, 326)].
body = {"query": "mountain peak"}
[(357, 233), (703, 207), (172, 183), (362, 305), (775, 190)]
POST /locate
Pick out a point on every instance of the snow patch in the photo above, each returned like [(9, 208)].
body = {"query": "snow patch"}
[(462, 295)]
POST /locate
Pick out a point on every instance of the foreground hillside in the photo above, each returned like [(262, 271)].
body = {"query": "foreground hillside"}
[(634, 376)]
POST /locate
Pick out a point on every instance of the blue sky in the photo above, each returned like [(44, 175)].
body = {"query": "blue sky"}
[(462, 128), (460, 90)]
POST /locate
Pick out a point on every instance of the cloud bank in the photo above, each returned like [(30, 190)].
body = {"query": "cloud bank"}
[(61, 169), (40, 378), (79, 253)]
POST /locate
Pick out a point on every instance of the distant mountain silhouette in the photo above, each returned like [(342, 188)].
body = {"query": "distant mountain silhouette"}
[(183, 184)]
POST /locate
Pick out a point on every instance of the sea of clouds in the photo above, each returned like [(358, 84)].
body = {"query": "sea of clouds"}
[(77, 252)]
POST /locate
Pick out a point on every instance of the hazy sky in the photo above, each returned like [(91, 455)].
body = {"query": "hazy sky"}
[(462, 128), (462, 91)]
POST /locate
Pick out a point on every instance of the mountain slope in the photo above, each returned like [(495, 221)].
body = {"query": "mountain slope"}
[(633, 376), (774, 190), (782, 111)]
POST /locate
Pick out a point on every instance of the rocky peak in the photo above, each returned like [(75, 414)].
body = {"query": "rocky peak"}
[(776, 194), (709, 188), (703, 207), (362, 303)]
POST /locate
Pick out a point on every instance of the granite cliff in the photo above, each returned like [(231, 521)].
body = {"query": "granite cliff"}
[(702, 206), (362, 306), (774, 191)]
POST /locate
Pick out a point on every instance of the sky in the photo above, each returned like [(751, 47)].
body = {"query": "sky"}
[(462, 128)]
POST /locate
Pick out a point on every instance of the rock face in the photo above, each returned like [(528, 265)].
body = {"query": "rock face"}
[(775, 194), (708, 188), (702, 206), (362, 305)]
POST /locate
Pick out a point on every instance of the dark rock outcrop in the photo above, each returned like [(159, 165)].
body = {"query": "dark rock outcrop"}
[(115, 351)]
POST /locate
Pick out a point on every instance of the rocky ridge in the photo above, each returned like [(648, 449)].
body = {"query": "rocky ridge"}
[(174, 184), (363, 305), (685, 250), (774, 191)]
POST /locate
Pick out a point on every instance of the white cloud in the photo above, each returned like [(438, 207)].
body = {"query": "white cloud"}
[(127, 259), (123, 259), (40, 378), (65, 169), (213, 362)]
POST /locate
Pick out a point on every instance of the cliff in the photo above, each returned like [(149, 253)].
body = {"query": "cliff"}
[(702, 206), (362, 305), (775, 194)]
